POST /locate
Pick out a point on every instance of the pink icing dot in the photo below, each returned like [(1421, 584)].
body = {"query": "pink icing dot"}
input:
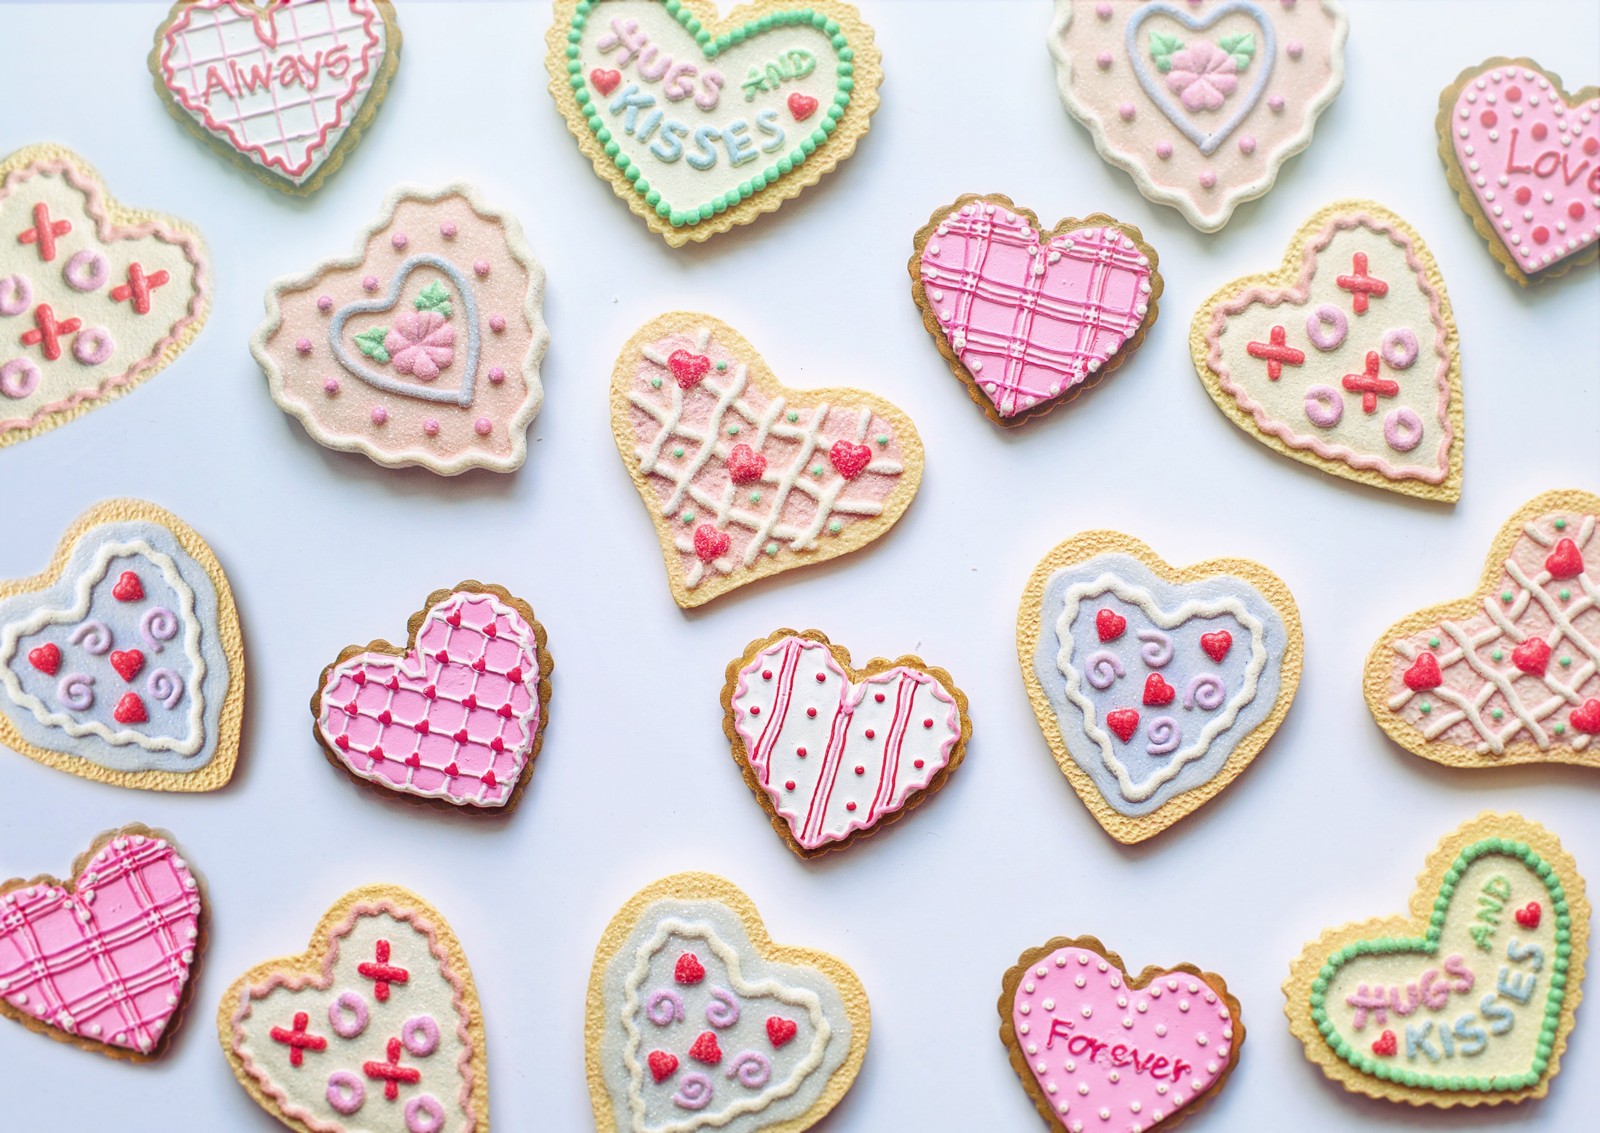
[(1247, 145), (330, 386), (1276, 102), (379, 414), (1208, 179), (1104, 60), (1163, 150), (1575, 210), (303, 346), (496, 376), (481, 268), (448, 230), (399, 240), (1103, 11), (431, 427), (324, 303), (497, 323), (1294, 48), (370, 283), (1126, 110), (483, 426)]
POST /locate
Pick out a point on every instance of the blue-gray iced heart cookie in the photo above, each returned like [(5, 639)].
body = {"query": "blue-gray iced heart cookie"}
[(1155, 685), (122, 662)]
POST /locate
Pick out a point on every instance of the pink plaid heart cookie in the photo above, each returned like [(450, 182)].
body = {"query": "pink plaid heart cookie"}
[(104, 962), (1028, 319), (456, 717)]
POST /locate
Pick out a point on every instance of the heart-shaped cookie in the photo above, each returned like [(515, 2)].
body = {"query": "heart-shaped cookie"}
[(104, 961), (1469, 1000), (697, 1020), (1155, 685), (1094, 1045), (282, 87), (1201, 102), (376, 1027), (1512, 673), (1524, 159), (701, 124), (833, 752), (690, 398), (1028, 319), (123, 662), (457, 716), (94, 297), (1344, 358)]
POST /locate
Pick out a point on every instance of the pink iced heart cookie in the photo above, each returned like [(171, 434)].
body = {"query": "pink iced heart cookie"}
[(1098, 1049), (1524, 159), (104, 962), (1029, 318), (457, 716), (283, 87)]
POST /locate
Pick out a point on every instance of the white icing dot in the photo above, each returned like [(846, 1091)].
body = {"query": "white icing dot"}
[(1024, 1009), (1083, 1088), (1049, 1005), (1114, 1077), (1161, 1030), (1183, 1005), (1029, 987), (1080, 981), (1087, 1011), (1033, 1048)]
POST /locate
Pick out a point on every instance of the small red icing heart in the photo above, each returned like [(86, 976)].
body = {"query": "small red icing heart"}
[(1587, 718), (1532, 656), (46, 658), (1529, 915), (705, 1049), (127, 662), (1385, 1045), (709, 543), (780, 1030), (1563, 562), (1216, 644), (688, 369), (689, 970), (1109, 625), (745, 464), (1424, 673), (1124, 722), (605, 82), (128, 587), (1156, 692), (130, 710), (850, 460), (802, 106), (662, 1064)]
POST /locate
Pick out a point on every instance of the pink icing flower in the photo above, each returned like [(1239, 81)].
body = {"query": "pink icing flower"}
[(1203, 75), (421, 343)]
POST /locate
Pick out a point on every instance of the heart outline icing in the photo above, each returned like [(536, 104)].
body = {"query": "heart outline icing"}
[(462, 394), (1205, 143)]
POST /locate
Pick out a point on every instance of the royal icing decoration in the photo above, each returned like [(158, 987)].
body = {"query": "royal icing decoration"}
[(698, 1021), (1155, 686), (1524, 159), (422, 348), (377, 1028), (94, 297), (1098, 1049), (1344, 358), (1025, 317), (284, 87), (702, 124), (1201, 102), (1469, 1000), (831, 751), (1512, 674), (743, 477), (104, 962)]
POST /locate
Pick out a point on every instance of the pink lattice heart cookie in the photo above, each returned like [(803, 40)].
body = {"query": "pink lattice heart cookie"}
[(454, 718), (104, 961), (283, 87), (1026, 318), (1098, 1049), (1345, 357), (743, 477), (1512, 673), (376, 1028), (1524, 159), (832, 752)]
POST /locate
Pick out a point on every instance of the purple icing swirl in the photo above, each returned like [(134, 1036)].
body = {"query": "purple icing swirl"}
[(723, 1010), (94, 636), (1205, 690), (76, 692), (166, 686), (158, 624), (1102, 669), (1165, 735), (694, 1092), (752, 1069), (668, 999)]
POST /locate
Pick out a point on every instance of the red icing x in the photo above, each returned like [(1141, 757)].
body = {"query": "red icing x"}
[(850, 460), (391, 1072), (47, 332), (1385, 1045), (706, 1050), (1156, 692), (802, 106), (745, 464), (1276, 353), (689, 970), (1216, 644), (1587, 718), (127, 663), (128, 587), (44, 232), (138, 288), (780, 1030), (1565, 561), (1124, 722), (1109, 625), (297, 1040), (1360, 285), (1532, 656), (709, 543), (1424, 673), (46, 658), (1529, 915), (605, 82), (382, 974), (688, 369), (662, 1064), (1369, 385)]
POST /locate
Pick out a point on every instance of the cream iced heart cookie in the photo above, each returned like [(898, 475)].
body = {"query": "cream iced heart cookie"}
[(697, 1020), (284, 88), (455, 717), (1097, 1048), (835, 753), (1524, 159), (702, 123), (123, 661), (1470, 999), (1345, 357), (95, 297), (423, 347), (1201, 102), (1156, 686), (1512, 673), (104, 961), (743, 477), (376, 1028), (1029, 319)]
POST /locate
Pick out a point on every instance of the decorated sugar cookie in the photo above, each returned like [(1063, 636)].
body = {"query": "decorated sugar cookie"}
[(136, 913), (832, 752), (123, 661), (702, 122), (95, 297), (1524, 159), (1156, 686), (1467, 1001), (1029, 319), (283, 88), (744, 477), (1097, 1048), (455, 717), (697, 1020), (1345, 357), (1201, 102), (422, 348), (1512, 673), (375, 1028)]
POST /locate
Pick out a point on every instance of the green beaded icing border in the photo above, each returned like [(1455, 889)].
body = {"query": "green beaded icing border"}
[(1429, 945), (679, 218)]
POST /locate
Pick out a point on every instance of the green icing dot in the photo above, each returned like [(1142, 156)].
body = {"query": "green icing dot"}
[(1566, 662), (882, 440), (678, 451), (1505, 596), (687, 517), (1566, 595), (1561, 525), (771, 549), (835, 527), (792, 416), (1496, 713), (1498, 655), (655, 382), (816, 470), (733, 430), (755, 497), (1433, 643), (1426, 707), (1560, 729), (722, 367)]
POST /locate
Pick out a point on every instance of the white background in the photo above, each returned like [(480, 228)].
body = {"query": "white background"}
[(635, 782)]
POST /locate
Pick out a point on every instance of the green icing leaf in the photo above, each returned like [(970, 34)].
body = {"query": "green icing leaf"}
[(434, 297), (370, 343), (1242, 47), (1161, 49)]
